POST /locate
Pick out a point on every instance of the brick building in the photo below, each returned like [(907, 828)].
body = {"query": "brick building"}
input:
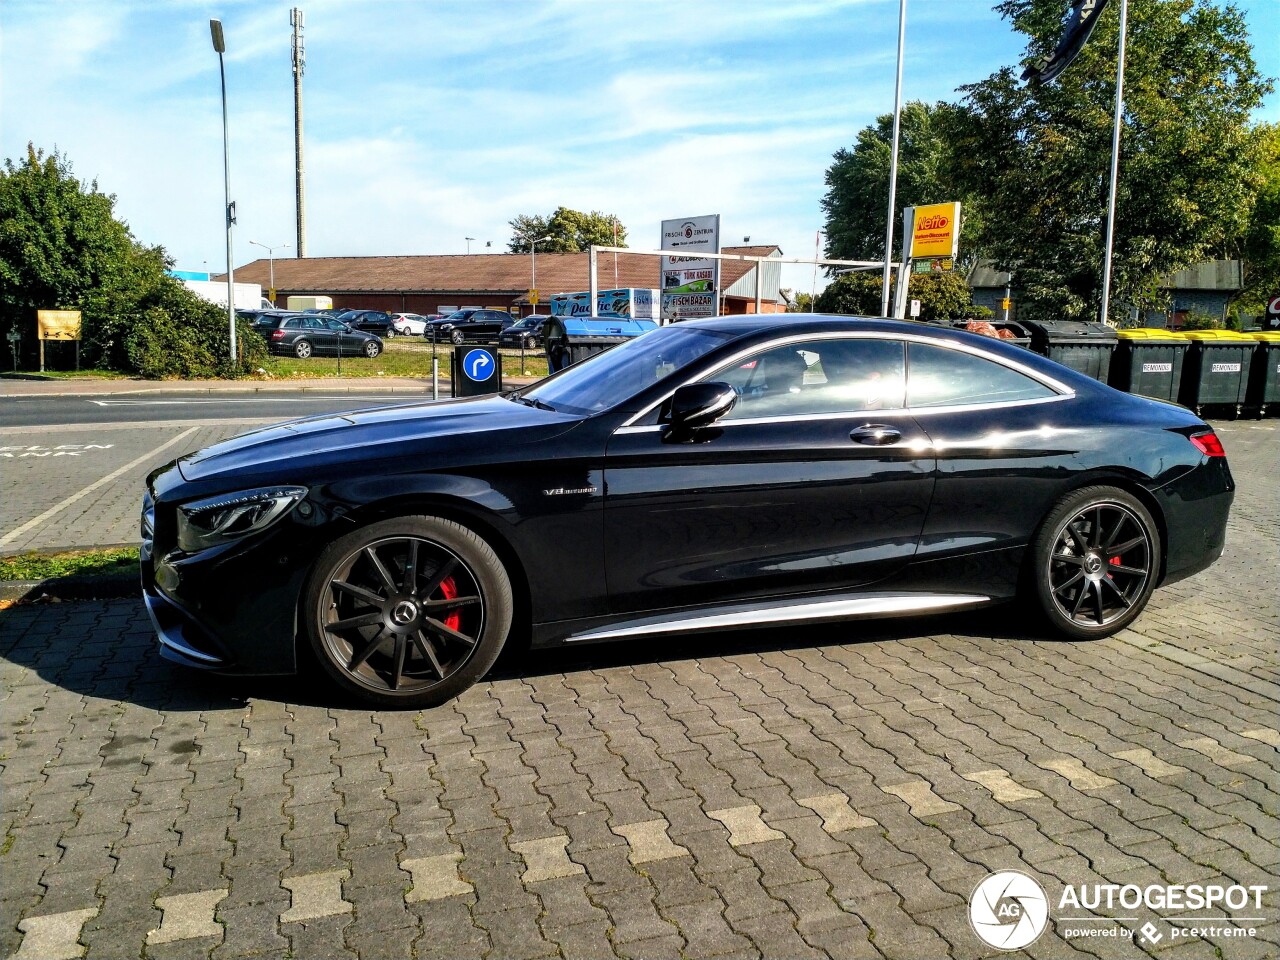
[(426, 283)]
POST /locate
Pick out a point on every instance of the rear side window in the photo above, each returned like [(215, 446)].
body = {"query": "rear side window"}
[(938, 377), (294, 324)]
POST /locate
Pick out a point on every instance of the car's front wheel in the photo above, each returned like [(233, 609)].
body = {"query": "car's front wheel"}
[(408, 612), (457, 336), (1095, 559)]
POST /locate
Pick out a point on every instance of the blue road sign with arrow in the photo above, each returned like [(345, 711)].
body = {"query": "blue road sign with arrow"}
[(478, 365)]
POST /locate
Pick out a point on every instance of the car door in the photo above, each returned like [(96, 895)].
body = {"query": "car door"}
[(324, 341), (1005, 454), (816, 480), (351, 341)]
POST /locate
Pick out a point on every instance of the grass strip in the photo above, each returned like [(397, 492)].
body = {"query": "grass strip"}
[(42, 566)]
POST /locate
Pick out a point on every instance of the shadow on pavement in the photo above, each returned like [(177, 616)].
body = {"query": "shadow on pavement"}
[(107, 650)]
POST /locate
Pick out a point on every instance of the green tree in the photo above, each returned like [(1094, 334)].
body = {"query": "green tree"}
[(571, 231), (1038, 154), (942, 296), (1259, 245), (857, 181), (61, 246)]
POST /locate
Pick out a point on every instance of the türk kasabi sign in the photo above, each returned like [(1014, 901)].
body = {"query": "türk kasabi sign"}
[(935, 231)]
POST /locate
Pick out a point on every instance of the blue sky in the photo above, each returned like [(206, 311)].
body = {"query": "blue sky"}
[(427, 122)]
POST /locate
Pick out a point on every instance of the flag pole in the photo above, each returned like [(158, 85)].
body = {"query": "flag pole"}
[(893, 163), (1115, 162)]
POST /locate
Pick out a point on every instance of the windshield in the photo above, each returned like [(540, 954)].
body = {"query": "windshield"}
[(609, 378)]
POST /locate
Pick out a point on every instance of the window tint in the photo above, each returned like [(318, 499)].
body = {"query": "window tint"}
[(817, 377), (294, 324), (942, 377), (313, 324)]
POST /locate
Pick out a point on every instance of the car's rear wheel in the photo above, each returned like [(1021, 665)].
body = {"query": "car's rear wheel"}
[(408, 612), (372, 349), (302, 349), (391, 332), (1096, 559)]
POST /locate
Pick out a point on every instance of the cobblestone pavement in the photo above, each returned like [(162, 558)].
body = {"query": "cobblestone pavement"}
[(835, 792)]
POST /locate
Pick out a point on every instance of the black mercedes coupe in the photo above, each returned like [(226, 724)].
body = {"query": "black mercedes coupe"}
[(708, 475)]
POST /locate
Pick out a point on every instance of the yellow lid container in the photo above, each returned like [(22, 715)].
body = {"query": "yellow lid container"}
[(1266, 336), (1147, 333)]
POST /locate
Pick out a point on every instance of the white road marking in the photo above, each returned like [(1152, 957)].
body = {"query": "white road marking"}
[(13, 535)]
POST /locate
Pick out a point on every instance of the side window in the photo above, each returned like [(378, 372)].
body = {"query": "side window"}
[(294, 324), (942, 377), (817, 377), (313, 324)]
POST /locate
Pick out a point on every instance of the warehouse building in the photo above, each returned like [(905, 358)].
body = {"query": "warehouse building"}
[(431, 283)]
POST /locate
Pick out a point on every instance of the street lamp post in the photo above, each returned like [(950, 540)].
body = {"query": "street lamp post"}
[(533, 253), (468, 239), (271, 264), (219, 45)]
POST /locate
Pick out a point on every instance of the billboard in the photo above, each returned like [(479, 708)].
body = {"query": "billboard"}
[(58, 324), (636, 303), (690, 283), (935, 231)]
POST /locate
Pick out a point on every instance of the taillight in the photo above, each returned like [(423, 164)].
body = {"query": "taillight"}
[(277, 334), (1209, 444)]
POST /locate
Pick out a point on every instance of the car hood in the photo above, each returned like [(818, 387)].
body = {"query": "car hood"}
[(448, 430)]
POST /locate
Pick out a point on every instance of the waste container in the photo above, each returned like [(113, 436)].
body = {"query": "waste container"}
[(1009, 331), (1263, 389), (570, 339), (1077, 344), (1149, 362), (1216, 371)]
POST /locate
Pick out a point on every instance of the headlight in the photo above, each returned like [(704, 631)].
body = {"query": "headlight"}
[(207, 523)]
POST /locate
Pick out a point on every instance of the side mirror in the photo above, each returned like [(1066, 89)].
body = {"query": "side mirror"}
[(347, 327), (698, 405)]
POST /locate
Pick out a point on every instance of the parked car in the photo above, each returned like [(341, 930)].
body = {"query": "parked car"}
[(473, 326), (526, 333), (708, 475), (307, 335), (370, 321), (407, 325)]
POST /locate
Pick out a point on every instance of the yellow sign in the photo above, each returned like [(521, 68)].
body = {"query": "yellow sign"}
[(1004, 304), (935, 230), (533, 297), (58, 324)]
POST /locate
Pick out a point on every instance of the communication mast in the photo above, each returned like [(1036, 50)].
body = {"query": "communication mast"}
[(299, 65)]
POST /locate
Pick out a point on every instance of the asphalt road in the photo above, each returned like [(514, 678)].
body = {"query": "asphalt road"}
[(181, 406)]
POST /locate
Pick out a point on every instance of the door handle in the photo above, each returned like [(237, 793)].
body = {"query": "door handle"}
[(875, 434)]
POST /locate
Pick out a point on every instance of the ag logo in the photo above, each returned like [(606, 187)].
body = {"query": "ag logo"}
[(1008, 910)]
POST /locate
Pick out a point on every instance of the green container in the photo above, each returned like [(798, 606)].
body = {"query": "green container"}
[(1216, 371), (1149, 363), (1263, 390), (1086, 347)]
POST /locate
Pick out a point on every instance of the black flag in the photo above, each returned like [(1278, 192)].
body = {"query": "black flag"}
[(1081, 20)]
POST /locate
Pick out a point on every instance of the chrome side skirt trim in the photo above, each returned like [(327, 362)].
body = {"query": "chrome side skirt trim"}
[(786, 611)]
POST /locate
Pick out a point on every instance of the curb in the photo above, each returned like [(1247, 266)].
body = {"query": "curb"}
[(55, 589)]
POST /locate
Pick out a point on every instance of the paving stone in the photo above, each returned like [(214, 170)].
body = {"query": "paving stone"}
[(436, 878), (1149, 763), (316, 895), (649, 841), (745, 826), (1002, 786), (1074, 771), (837, 815), (545, 859), (54, 936), (187, 916), (1217, 752)]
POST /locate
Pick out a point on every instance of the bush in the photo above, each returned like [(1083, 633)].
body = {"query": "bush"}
[(1199, 320), (942, 296), (177, 334)]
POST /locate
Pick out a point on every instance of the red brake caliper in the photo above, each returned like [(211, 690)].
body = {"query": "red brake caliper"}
[(450, 590)]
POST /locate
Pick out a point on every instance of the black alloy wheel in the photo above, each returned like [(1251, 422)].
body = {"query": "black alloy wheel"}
[(372, 348), (302, 349), (1097, 559), (408, 612)]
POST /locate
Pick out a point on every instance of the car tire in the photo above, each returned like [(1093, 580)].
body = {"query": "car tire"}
[(378, 615), (1095, 561), (391, 332), (530, 343), (372, 348), (302, 349), (457, 336)]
